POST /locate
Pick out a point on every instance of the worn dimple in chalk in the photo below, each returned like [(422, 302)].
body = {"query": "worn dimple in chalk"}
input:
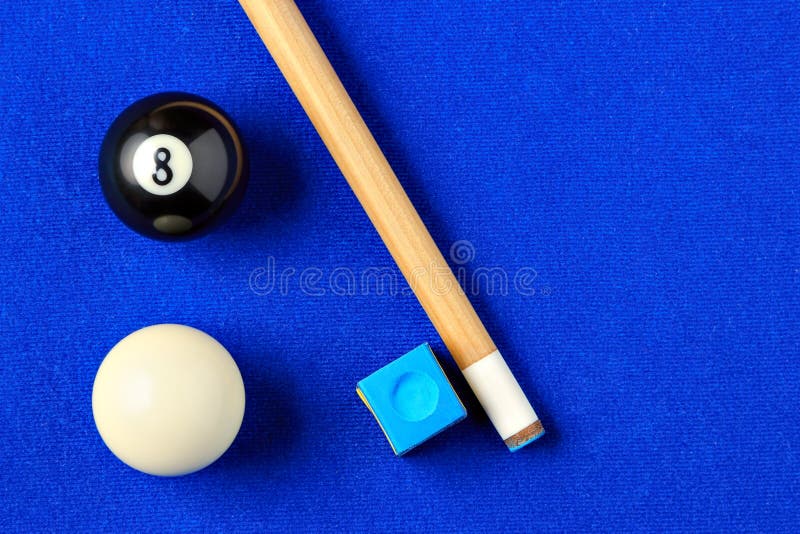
[(415, 396)]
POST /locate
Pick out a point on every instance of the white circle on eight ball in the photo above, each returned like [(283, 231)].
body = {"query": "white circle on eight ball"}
[(162, 164)]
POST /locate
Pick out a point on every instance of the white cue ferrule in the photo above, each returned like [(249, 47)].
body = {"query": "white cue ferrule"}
[(503, 400)]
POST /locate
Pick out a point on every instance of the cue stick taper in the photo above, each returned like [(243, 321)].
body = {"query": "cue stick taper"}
[(309, 73)]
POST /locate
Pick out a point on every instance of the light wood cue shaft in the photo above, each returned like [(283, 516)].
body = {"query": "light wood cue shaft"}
[(304, 65)]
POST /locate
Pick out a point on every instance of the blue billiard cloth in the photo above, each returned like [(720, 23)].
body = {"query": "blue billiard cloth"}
[(621, 180)]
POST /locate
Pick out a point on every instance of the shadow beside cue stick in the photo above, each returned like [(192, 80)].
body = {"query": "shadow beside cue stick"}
[(319, 90)]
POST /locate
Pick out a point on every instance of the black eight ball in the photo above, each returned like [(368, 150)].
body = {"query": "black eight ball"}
[(172, 166)]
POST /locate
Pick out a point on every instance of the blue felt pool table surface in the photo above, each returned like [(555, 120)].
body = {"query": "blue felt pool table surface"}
[(637, 162)]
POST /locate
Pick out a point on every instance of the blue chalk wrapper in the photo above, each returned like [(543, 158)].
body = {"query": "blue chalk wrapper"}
[(412, 399)]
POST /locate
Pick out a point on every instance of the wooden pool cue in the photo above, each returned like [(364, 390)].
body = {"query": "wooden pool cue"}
[(319, 90)]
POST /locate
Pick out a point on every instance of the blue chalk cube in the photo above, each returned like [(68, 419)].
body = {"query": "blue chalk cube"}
[(412, 399)]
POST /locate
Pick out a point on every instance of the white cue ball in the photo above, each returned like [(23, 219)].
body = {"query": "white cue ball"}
[(168, 400)]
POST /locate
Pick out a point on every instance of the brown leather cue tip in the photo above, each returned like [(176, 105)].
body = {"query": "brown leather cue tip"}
[(319, 90)]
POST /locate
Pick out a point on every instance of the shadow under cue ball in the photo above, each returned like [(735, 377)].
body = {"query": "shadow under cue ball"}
[(172, 166), (168, 400)]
